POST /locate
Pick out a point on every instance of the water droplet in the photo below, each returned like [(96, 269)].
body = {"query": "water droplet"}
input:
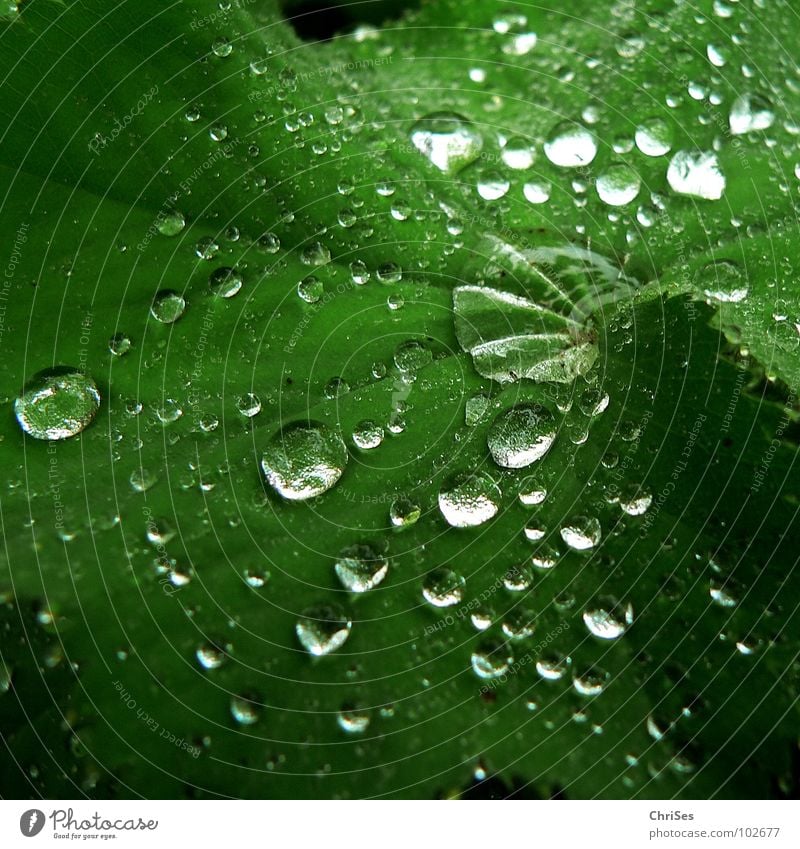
[(142, 479), (618, 185), (256, 578), (519, 625), (696, 175), (119, 344), (491, 659), (519, 153), (411, 356), (449, 141), (476, 409), (518, 579), (570, 145), (721, 595), (315, 254), (522, 435), (168, 306), (545, 557), (57, 404), (536, 192), (322, 629), (492, 185), (581, 532), (360, 568), (592, 682), (389, 272), (469, 500), (311, 289), (367, 435), (210, 656), (404, 512), (634, 501), (751, 112), (520, 44), (221, 47), (170, 223), (248, 405), (303, 460), (654, 137), (443, 587), (552, 667), (723, 281), (245, 710), (353, 720), (225, 282), (608, 620)]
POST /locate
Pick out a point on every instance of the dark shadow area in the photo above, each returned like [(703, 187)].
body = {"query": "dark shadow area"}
[(321, 20)]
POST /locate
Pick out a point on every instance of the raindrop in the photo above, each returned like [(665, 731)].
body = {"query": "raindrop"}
[(367, 435), (353, 720), (225, 282), (170, 223), (654, 137), (404, 512), (723, 281), (618, 185)]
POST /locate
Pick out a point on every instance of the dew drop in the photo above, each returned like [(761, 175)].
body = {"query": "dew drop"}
[(654, 137), (225, 282)]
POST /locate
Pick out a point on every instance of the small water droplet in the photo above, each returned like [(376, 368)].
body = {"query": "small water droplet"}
[(168, 306), (696, 175), (581, 532)]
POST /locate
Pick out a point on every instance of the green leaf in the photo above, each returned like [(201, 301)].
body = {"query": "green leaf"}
[(568, 492)]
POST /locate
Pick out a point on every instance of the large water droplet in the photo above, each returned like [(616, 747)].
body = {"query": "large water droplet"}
[(570, 145), (361, 568), (751, 112), (696, 175), (469, 500), (448, 140), (57, 404), (304, 460), (521, 436), (322, 629)]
